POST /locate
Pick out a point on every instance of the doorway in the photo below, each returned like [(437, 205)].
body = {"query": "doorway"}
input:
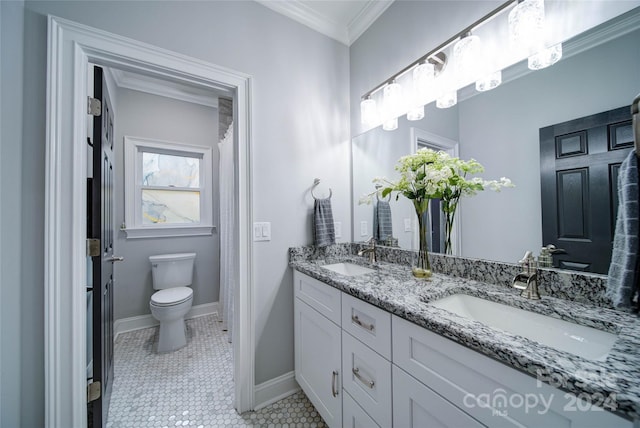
[(71, 47), (435, 219)]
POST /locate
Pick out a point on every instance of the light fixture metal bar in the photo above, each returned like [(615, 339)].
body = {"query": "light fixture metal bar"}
[(442, 46)]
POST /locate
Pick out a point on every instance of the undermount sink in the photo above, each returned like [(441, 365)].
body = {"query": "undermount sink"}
[(348, 269), (586, 342)]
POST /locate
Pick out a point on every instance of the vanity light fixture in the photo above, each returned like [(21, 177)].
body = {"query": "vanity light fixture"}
[(527, 38)]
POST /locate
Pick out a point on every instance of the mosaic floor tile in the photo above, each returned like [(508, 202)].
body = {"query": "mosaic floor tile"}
[(191, 387)]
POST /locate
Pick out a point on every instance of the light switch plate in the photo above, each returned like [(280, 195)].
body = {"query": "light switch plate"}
[(261, 231), (407, 225), (364, 228), (337, 227)]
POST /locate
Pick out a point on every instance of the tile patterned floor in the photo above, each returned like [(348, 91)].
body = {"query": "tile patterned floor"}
[(190, 387)]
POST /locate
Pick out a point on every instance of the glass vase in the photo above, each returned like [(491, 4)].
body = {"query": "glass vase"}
[(421, 268)]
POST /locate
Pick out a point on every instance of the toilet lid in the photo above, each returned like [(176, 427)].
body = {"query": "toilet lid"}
[(171, 296)]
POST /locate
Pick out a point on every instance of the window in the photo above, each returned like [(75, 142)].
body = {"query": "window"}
[(167, 189)]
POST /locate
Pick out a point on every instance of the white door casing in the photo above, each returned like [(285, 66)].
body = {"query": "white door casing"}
[(70, 48)]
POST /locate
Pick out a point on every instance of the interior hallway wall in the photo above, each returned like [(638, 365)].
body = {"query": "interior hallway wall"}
[(300, 130), (140, 114)]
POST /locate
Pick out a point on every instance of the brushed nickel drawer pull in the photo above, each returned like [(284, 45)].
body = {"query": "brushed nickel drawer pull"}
[(364, 325), (356, 372), (334, 390)]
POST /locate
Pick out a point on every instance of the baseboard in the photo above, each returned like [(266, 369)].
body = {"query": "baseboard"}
[(275, 389), (145, 321)]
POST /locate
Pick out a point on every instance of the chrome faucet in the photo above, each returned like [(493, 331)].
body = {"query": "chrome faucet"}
[(527, 280), (371, 250)]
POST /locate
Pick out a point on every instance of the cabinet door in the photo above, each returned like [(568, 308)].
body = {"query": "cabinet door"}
[(353, 416), (416, 406), (317, 355)]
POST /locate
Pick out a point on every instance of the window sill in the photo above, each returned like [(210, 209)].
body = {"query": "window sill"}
[(168, 232)]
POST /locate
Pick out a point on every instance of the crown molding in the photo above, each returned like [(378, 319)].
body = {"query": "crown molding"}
[(138, 82), (299, 11), (366, 17)]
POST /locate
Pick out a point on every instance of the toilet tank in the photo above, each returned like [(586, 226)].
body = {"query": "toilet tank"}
[(172, 270)]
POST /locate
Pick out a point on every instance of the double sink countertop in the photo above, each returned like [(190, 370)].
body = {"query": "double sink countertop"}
[(393, 288)]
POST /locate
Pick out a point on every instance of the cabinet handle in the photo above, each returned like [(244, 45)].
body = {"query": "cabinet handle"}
[(364, 325), (356, 372), (334, 390)]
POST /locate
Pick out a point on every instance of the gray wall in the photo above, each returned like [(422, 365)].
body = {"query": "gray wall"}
[(140, 114), (300, 131), (11, 70)]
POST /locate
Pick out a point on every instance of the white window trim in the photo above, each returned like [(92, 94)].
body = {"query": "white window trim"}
[(132, 211)]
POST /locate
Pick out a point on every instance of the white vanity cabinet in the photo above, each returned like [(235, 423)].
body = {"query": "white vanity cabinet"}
[(362, 367), (318, 345)]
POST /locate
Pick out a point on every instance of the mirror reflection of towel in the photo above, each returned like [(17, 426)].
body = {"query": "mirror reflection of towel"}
[(623, 270), (382, 224), (323, 229)]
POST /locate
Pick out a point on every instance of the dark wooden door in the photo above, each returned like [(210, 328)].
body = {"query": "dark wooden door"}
[(101, 229), (579, 163)]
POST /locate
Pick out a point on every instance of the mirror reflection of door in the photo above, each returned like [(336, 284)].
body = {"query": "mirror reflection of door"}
[(579, 164), (434, 216)]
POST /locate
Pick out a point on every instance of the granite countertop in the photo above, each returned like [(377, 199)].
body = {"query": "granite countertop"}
[(393, 288)]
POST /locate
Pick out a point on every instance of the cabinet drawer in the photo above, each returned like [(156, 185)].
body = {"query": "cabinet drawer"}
[(370, 325), (366, 377), (320, 296), (353, 416), (485, 388)]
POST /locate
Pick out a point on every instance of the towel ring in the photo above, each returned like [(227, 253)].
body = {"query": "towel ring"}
[(315, 184), (378, 193)]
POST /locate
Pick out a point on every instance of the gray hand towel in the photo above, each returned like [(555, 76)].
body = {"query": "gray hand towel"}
[(323, 230), (622, 280), (382, 224)]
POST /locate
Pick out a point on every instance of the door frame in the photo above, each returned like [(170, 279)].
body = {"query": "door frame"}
[(70, 48)]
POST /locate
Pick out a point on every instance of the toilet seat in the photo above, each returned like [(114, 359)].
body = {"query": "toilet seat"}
[(171, 296)]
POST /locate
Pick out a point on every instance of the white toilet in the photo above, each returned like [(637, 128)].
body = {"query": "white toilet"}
[(172, 274)]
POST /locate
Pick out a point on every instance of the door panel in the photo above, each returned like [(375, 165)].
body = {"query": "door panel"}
[(101, 227), (579, 162)]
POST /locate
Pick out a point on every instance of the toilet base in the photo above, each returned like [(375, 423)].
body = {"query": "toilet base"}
[(172, 335)]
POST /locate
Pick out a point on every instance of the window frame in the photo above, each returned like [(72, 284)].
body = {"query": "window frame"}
[(134, 228)]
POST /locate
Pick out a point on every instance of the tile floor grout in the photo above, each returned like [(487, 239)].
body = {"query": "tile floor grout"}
[(189, 387)]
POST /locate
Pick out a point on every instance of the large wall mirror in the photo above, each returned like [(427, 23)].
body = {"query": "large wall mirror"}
[(500, 129)]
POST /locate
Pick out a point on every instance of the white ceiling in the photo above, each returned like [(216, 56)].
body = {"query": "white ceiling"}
[(343, 20)]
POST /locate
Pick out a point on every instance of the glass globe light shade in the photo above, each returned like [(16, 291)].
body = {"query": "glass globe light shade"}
[(390, 125), (545, 57), (392, 100), (423, 77), (526, 26), (467, 57), (416, 113), (368, 112), (447, 99), (489, 81)]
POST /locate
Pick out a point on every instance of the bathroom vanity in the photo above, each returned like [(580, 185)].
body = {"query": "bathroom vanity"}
[(374, 347)]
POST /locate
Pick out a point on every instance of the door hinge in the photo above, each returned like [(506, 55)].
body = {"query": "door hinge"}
[(94, 106), (93, 247), (93, 391)]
